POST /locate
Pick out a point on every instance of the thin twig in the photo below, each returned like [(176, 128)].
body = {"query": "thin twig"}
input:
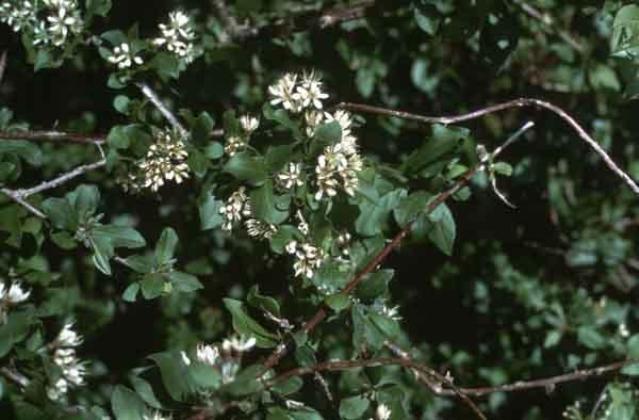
[(548, 21), (340, 365), (53, 136), (166, 112), (20, 196), (232, 29), (62, 179), (516, 103), (546, 383), (3, 64), (282, 349), (15, 377), (18, 199)]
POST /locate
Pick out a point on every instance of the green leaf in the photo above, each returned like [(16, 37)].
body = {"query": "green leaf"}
[(633, 347), (131, 292), (442, 229), (144, 390), (165, 247), (590, 338), (624, 42), (259, 301), (373, 216), (26, 150), (15, 330), (278, 156), (175, 375), (140, 263), (167, 66), (126, 404), (214, 150), (153, 285), (327, 134), (374, 285), (434, 154), (248, 168), (411, 207), (244, 325), (119, 236), (102, 253), (209, 209), (353, 407), (61, 214), (201, 128), (631, 369), (338, 302), (268, 207), (184, 282), (85, 200)]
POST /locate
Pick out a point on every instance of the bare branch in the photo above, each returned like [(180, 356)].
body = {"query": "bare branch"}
[(549, 22), (15, 377), (53, 136), (62, 179), (547, 383), (516, 103), (13, 195), (3, 64), (155, 100)]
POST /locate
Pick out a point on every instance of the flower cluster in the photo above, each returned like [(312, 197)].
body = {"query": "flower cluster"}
[(295, 93), (50, 22), (382, 413), (308, 258), (227, 357), (237, 207), (165, 161), (238, 141), (291, 176), (177, 36), (123, 57), (11, 296), (72, 369)]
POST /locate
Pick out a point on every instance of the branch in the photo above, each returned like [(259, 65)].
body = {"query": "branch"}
[(55, 136), (155, 100), (15, 377), (546, 383), (548, 21), (281, 350), (382, 361), (516, 103), (20, 196)]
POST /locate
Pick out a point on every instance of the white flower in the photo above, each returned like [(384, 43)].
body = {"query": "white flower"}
[(308, 258), (309, 92), (302, 225), (249, 124), (291, 176), (177, 36), (17, 16), (165, 161), (388, 312), (123, 58), (66, 19), (16, 294), (156, 415), (207, 354), (67, 337), (260, 230), (58, 390), (337, 167), (239, 344), (236, 208), (234, 144), (383, 412), (283, 92), (73, 370), (313, 119), (623, 330), (185, 358)]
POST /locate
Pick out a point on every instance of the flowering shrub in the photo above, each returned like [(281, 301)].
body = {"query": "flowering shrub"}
[(196, 224)]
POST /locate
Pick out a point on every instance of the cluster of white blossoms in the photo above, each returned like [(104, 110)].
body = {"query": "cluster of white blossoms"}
[(177, 36), (72, 369), (308, 258), (291, 176), (11, 296), (384, 310), (382, 413), (339, 165), (296, 94), (238, 142), (237, 209), (227, 357), (123, 57), (49, 22), (165, 161)]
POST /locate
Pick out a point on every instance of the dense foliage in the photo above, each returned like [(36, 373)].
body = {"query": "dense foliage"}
[(210, 210)]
